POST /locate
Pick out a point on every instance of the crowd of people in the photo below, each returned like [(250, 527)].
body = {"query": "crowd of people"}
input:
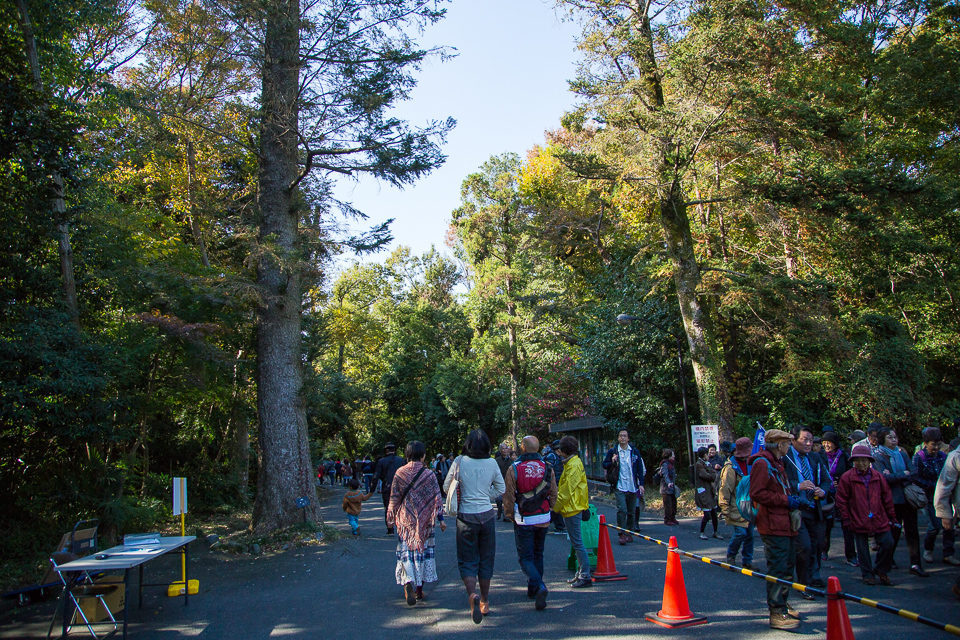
[(802, 488), (531, 489)]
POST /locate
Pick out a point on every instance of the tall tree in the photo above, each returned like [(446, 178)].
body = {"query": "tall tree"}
[(649, 102), (492, 225), (329, 75)]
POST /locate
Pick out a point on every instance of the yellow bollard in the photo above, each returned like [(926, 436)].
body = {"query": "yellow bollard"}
[(176, 588)]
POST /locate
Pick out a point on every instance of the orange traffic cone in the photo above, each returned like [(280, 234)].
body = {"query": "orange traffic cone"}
[(838, 621), (676, 611), (606, 568)]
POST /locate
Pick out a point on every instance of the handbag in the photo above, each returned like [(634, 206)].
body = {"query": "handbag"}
[(796, 519), (915, 496), (452, 504)]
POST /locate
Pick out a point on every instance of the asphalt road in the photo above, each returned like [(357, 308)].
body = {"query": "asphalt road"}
[(347, 590)]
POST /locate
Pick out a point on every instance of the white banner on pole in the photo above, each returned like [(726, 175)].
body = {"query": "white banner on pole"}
[(179, 496), (705, 435)]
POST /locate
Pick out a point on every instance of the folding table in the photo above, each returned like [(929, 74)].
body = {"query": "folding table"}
[(121, 558)]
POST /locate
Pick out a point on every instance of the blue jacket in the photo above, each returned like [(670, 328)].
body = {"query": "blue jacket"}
[(613, 460)]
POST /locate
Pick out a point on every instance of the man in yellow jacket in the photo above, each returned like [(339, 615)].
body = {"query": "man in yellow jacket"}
[(573, 498)]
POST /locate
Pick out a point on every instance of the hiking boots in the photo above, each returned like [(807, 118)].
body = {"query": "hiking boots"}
[(732, 560), (782, 621)]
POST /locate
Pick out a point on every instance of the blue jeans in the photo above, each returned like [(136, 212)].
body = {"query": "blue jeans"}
[(742, 536), (367, 477), (936, 526), (354, 523), (476, 548), (530, 542), (576, 541)]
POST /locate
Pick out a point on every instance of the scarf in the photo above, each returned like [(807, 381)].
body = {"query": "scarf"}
[(833, 459), (416, 517), (896, 460)]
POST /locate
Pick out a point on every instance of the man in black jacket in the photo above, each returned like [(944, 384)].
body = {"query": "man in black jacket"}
[(810, 480), (386, 468)]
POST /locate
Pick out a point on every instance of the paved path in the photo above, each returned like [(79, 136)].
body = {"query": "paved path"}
[(347, 590)]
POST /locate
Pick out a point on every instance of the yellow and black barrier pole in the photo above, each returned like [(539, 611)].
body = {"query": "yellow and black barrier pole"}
[(903, 613)]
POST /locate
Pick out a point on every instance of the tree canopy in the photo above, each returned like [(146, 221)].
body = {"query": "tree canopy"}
[(774, 187)]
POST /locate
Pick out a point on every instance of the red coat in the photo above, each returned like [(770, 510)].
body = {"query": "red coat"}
[(856, 501), (773, 514)]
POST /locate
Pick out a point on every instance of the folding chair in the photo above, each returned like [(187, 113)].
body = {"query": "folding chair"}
[(77, 586)]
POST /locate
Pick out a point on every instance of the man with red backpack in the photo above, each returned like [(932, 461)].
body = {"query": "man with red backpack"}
[(528, 501)]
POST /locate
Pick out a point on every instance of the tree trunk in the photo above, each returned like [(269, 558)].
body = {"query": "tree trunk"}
[(705, 349), (286, 469), (58, 204), (705, 353), (514, 370)]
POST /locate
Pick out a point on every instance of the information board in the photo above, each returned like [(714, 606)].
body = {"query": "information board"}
[(705, 435)]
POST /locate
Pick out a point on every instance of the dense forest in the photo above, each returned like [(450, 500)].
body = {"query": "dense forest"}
[(774, 184)]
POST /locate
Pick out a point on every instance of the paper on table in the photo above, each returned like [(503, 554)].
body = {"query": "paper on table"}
[(136, 552)]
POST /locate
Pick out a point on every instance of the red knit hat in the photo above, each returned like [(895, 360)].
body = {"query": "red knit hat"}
[(861, 451)]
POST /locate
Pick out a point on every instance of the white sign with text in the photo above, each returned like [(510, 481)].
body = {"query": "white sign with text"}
[(705, 435)]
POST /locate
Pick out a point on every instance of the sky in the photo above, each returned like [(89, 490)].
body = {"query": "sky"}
[(507, 85)]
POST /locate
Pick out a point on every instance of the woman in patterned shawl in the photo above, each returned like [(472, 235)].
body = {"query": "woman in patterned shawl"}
[(415, 507)]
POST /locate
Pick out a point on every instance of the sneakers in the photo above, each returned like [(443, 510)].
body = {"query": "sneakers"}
[(541, 599), (717, 535), (951, 560), (703, 536), (928, 556), (782, 621), (917, 571), (581, 583), (853, 562), (824, 557)]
